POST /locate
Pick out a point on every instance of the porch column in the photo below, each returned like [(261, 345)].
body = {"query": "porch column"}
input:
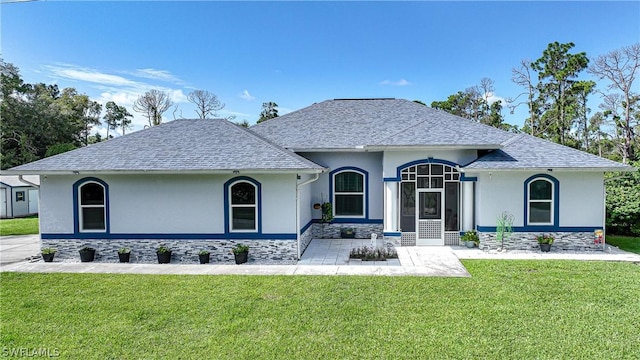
[(390, 206), (467, 205)]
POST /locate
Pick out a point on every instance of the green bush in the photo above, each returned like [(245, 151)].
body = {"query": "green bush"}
[(623, 202)]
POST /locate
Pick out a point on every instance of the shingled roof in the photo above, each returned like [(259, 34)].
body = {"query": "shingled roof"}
[(180, 145), (376, 123), (531, 153)]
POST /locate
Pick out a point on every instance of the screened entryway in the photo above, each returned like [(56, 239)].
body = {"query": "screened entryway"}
[(430, 205)]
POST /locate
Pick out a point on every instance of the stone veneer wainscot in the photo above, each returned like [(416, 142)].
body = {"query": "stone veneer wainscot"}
[(576, 241)]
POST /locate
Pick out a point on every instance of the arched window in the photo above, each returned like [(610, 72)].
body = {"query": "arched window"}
[(243, 206), (541, 201), (92, 207), (349, 193)]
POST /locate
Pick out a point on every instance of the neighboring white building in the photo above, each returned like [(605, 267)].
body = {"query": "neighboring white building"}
[(18, 198), (409, 173)]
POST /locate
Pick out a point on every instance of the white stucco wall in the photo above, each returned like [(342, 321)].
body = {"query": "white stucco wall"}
[(369, 161), (393, 159), (581, 197), (153, 204)]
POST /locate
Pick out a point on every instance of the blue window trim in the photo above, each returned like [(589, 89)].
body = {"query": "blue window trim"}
[(417, 162), (556, 203), (365, 174), (227, 207), (76, 206)]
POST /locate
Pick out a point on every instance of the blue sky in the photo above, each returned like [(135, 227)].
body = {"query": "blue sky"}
[(298, 53)]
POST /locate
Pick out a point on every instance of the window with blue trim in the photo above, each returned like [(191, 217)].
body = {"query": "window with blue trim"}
[(348, 194), (243, 206), (540, 202), (92, 207)]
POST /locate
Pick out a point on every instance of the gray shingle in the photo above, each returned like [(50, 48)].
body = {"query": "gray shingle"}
[(528, 152), (180, 145), (348, 124)]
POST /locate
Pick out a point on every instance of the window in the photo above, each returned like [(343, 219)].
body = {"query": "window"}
[(92, 210), (540, 202), (348, 194), (243, 206), (19, 196)]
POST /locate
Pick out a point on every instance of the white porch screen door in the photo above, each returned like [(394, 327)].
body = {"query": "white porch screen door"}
[(430, 226)]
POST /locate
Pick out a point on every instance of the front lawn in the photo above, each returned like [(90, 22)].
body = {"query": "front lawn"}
[(19, 226), (507, 310), (626, 243)]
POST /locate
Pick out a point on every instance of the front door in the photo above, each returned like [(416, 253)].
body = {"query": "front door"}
[(430, 223)]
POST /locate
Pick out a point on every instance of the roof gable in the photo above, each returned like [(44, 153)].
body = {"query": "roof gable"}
[(179, 145)]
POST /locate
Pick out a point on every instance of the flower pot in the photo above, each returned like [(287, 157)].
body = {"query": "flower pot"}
[(204, 259), (47, 257), (545, 247), (470, 244), (241, 258), (124, 258), (87, 255), (164, 258)]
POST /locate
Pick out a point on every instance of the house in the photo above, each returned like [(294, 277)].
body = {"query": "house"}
[(404, 171), (18, 198)]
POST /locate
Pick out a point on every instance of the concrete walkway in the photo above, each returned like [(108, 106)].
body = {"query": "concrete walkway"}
[(323, 257), (14, 249)]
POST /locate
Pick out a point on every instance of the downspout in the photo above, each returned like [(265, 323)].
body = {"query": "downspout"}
[(298, 186), (22, 180)]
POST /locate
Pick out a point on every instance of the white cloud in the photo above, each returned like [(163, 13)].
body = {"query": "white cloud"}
[(154, 74), (401, 82), (492, 97), (120, 89), (245, 95)]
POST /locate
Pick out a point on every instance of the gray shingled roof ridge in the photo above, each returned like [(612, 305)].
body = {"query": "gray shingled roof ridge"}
[(277, 147), (286, 116), (459, 118)]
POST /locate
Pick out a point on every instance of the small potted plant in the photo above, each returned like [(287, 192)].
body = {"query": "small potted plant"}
[(203, 256), (48, 253), (124, 254), (164, 255), (240, 252), (545, 242), (470, 238), (87, 254), (347, 233)]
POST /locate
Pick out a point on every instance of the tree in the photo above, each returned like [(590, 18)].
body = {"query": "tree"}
[(116, 116), (269, 111), (522, 76), (473, 104), (623, 202), (620, 68), (243, 123), (152, 104), (557, 72), (582, 90), (207, 103)]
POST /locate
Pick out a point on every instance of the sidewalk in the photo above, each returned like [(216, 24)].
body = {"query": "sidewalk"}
[(328, 258)]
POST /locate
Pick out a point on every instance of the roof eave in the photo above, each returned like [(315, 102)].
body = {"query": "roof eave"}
[(162, 171), (435, 147), (554, 168)]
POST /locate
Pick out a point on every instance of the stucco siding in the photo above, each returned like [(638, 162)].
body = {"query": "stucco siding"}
[(371, 162), (580, 197), (168, 204)]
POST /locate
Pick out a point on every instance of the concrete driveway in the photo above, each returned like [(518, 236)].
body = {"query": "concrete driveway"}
[(18, 248)]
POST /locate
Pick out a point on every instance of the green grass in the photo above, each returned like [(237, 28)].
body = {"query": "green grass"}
[(20, 226), (507, 310), (626, 243)]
